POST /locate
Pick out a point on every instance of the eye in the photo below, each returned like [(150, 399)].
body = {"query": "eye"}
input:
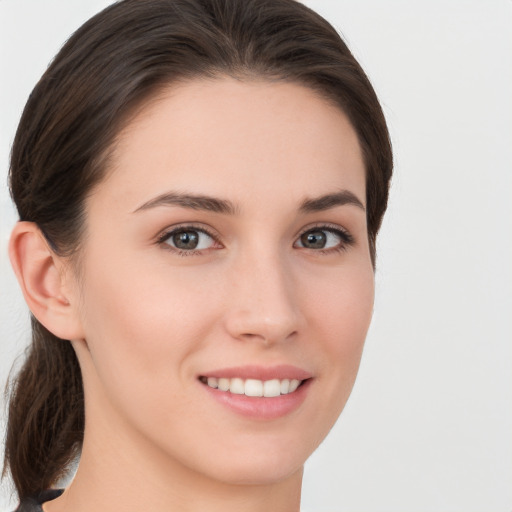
[(324, 238), (188, 239)]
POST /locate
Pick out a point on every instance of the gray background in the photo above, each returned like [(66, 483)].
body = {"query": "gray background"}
[(429, 424)]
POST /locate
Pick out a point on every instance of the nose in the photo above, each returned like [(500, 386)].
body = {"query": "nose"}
[(263, 302)]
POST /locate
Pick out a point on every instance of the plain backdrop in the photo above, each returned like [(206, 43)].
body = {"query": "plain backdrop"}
[(429, 424)]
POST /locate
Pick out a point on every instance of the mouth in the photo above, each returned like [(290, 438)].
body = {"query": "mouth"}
[(253, 387), (259, 392)]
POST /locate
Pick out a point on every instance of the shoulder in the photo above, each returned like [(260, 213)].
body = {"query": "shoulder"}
[(33, 503)]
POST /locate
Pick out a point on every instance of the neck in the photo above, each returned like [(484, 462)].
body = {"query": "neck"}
[(125, 482)]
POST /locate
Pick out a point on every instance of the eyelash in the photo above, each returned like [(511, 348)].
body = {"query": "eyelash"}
[(162, 239), (346, 239)]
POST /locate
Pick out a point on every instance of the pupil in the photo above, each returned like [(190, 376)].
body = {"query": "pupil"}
[(186, 240), (314, 240)]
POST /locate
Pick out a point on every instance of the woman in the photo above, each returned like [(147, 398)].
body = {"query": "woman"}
[(200, 185)]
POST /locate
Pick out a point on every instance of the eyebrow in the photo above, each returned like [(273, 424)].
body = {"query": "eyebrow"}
[(329, 201), (226, 207), (191, 201)]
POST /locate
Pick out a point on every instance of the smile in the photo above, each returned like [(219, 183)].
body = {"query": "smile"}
[(260, 393), (253, 387)]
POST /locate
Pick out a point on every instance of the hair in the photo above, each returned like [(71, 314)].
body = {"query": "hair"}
[(110, 67)]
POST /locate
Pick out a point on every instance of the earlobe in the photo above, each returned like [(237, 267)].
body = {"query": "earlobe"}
[(41, 275)]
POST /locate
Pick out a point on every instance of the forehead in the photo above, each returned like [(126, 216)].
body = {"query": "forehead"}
[(241, 139)]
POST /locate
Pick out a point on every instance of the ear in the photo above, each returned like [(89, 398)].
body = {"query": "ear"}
[(44, 278)]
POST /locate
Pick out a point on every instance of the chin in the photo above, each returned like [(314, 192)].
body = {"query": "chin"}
[(262, 464), (273, 472)]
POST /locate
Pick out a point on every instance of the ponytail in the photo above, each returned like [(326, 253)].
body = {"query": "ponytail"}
[(46, 414)]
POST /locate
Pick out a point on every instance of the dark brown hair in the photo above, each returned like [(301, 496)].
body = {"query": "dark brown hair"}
[(109, 67)]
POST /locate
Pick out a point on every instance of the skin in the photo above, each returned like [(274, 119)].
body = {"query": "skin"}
[(146, 320)]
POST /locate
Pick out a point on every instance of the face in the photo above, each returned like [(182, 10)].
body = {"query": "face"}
[(226, 256)]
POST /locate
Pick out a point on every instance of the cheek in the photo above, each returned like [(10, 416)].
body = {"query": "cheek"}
[(342, 308), (143, 331), (139, 322), (143, 313), (342, 316)]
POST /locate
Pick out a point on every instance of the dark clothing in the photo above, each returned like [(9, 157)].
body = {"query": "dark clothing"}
[(33, 504)]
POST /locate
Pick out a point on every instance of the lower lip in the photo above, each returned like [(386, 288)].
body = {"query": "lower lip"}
[(261, 407)]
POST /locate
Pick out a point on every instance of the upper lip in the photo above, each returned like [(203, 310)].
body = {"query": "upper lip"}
[(282, 371)]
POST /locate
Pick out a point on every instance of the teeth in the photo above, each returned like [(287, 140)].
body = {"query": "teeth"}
[(294, 384), (223, 384), (253, 387), (237, 386), (271, 388)]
